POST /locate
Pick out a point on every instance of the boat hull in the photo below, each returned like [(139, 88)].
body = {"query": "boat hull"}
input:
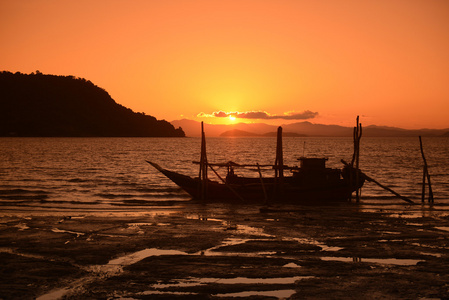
[(268, 191)]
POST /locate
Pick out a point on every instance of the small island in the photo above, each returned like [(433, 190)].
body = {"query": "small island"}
[(39, 105)]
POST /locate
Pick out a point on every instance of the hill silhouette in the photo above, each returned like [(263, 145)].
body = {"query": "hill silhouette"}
[(50, 105)]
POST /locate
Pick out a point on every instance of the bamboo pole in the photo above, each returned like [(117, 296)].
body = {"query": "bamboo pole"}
[(200, 171), (390, 190), (357, 137), (203, 165), (425, 175), (280, 155), (423, 190), (279, 163), (368, 178)]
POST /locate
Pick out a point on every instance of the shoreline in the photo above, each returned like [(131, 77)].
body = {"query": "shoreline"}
[(219, 251)]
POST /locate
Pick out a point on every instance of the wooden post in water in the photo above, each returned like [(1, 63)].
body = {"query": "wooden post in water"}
[(355, 158), (280, 154), (423, 189), (203, 165), (279, 163), (425, 175)]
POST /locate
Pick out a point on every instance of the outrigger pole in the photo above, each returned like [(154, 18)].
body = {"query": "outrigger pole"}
[(370, 179)]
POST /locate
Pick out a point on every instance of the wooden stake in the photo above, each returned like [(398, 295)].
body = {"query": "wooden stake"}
[(201, 155), (423, 190), (279, 154), (357, 135), (425, 175)]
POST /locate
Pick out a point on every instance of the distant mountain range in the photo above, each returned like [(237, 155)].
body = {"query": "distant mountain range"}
[(193, 128), (49, 105), (241, 133)]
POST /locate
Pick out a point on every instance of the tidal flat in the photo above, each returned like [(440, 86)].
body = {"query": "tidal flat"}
[(219, 251)]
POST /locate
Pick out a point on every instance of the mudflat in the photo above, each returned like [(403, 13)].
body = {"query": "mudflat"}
[(219, 251)]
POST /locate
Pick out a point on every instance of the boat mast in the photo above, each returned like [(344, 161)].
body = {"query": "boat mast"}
[(279, 163), (355, 159), (203, 165)]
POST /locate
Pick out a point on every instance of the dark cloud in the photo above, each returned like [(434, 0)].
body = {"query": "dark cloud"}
[(253, 115), (263, 115), (220, 114)]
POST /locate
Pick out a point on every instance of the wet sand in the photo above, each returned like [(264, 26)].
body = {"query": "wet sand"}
[(219, 251)]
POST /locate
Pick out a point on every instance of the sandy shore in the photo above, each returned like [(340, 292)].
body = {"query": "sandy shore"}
[(223, 251)]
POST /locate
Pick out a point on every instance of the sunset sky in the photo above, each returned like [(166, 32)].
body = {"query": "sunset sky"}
[(271, 61)]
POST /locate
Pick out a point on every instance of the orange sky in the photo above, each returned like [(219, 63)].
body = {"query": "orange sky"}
[(385, 60)]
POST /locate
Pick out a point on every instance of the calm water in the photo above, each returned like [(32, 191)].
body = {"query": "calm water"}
[(97, 174)]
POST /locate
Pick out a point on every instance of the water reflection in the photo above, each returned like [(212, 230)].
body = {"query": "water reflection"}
[(189, 282), (407, 211), (280, 294), (162, 288), (382, 261)]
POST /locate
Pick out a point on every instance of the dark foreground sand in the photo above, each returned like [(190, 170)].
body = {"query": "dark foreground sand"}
[(222, 251)]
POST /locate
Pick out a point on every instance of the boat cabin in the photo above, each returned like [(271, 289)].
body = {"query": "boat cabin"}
[(313, 170), (312, 163)]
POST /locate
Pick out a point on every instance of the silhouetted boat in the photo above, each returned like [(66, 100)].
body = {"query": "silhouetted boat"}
[(310, 183)]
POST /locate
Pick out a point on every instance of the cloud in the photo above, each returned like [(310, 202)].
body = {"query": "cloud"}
[(221, 114), (204, 115), (307, 114), (262, 115)]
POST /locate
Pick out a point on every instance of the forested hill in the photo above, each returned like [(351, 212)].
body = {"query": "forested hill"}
[(49, 105)]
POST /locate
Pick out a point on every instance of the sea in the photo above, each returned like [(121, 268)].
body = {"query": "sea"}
[(111, 175)]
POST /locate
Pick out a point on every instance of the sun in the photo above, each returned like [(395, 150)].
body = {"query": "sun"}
[(231, 118)]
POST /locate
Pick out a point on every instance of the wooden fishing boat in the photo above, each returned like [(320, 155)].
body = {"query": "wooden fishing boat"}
[(309, 183)]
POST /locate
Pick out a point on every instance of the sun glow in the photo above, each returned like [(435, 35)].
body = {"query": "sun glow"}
[(249, 56)]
